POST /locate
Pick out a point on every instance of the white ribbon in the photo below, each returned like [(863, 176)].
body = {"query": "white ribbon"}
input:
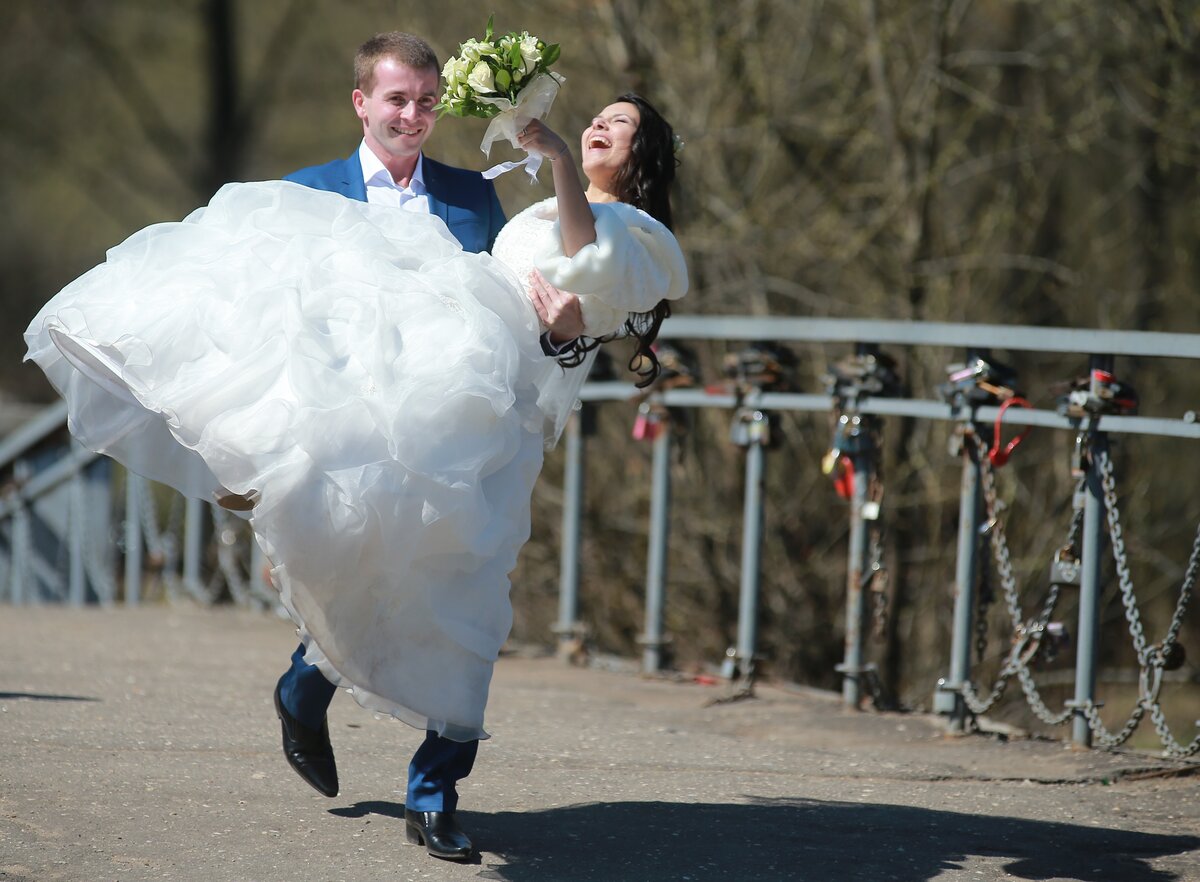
[(533, 102)]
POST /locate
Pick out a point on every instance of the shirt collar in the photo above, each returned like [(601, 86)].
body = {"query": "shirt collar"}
[(376, 174)]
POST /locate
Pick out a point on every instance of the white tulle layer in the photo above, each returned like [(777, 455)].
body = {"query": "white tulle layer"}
[(371, 382)]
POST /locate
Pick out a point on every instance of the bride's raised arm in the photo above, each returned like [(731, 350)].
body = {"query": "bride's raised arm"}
[(575, 215)]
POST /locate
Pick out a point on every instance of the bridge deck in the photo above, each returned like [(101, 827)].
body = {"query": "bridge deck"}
[(117, 761)]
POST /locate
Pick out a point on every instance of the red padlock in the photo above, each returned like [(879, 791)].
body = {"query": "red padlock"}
[(997, 454), (843, 481), (647, 425)]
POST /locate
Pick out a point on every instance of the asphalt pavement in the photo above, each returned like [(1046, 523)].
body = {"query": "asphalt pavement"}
[(141, 744)]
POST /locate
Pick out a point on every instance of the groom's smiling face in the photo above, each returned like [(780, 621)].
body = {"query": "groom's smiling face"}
[(397, 111)]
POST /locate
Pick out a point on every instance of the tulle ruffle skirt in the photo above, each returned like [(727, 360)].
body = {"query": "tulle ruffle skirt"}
[(368, 379)]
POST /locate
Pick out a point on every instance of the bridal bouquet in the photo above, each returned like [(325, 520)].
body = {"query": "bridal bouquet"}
[(506, 79)]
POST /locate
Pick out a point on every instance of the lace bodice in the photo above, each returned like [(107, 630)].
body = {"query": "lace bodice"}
[(525, 236)]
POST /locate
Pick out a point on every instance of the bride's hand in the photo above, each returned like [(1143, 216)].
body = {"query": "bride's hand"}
[(576, 225), (537, 137)]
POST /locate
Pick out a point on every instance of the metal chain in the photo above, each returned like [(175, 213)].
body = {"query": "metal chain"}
[(226, 539), (149, 519), (1108, 482), (1151, 659), (163, 545), (879, 585), (245, 591), (987, 595), (976, 448), (1026, 636), (102, 579), (1105, 737), (1172, 748)]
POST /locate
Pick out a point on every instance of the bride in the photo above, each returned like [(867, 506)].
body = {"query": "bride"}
[(376, 394)]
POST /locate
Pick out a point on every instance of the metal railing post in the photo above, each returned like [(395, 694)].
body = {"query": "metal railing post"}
[(76, 530), (193, 535), (949, 698), (752, 520), (1092, 547), (656, 551), (21, 565), (856, 610), (567, 627), (1089, 603), (133, 539)]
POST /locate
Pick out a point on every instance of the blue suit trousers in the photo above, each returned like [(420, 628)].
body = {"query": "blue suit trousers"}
[(436, 768)]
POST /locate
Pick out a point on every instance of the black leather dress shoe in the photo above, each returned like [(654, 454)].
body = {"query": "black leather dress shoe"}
[(308, 751), (439, 833)]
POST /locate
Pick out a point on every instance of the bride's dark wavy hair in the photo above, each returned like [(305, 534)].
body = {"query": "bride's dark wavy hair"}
[(643, 182)]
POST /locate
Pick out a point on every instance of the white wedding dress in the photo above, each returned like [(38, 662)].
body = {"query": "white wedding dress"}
[(383, 392)]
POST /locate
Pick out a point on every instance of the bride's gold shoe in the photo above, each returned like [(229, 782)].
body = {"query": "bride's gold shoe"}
[(236, 501)]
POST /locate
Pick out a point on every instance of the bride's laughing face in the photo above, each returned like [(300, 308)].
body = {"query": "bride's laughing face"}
[(607, 143)]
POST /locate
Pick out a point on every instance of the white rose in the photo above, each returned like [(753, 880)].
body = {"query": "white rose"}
[(470, 51), (454, 72), (481, 79), (530, 54)]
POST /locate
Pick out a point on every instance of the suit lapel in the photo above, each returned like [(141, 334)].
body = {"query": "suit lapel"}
[(352, 178), (435, 189)]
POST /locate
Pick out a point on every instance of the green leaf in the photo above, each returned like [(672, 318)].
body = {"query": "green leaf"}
[(514, 55), (551, 54), (487, 34)]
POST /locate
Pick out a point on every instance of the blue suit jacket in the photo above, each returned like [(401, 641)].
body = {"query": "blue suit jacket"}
[(463, 199)]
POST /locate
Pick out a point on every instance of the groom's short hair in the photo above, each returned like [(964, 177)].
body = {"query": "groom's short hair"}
[(406, 49)]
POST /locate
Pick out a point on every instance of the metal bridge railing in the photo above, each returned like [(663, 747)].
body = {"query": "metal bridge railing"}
[(862, 390)]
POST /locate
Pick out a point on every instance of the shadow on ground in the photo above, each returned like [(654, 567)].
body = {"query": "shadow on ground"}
[(42, 696), (795, 839)]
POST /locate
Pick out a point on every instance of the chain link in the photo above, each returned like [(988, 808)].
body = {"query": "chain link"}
[(878, 576), (1027, 636), (226, 539), (245, 591), (149, 517), (1151, 659), (987, 595)]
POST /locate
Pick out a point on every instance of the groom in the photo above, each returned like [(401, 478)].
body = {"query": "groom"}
[(396, 90)]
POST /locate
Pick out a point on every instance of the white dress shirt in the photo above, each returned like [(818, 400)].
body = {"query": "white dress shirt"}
[(383, 190)]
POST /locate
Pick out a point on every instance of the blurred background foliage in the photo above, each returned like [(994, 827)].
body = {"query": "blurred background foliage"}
[(989, 161)]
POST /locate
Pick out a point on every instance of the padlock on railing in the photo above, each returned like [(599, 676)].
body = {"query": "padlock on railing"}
[(762, 365), (978, 382), (860, 376), (679, 366), (1174, 656), (648, 424), (1055, 640), (1100, 392), (1065, 569), (1080, 456), (749, 427)]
